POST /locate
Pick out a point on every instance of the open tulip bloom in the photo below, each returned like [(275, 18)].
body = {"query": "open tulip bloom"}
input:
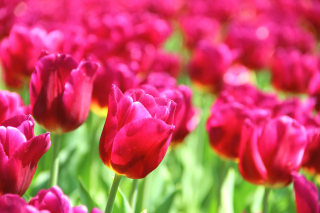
[(20, 151), (137, 132)]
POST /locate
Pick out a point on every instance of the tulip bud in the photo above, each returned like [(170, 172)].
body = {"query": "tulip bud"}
[(137, 132), (20, 152), (60, 92), (268, 157)]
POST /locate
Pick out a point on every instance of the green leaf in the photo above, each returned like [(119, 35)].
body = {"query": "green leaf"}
[(166, 204), (85, 196)]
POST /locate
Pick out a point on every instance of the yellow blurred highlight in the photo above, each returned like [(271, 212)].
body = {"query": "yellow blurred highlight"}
[(96, 109)]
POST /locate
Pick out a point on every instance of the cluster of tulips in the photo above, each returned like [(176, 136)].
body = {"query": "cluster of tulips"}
[(66, 60)]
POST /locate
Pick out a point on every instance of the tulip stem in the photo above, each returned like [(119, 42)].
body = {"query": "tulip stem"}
[(54, 170), (265, 200), (133, 193), (113, 192)]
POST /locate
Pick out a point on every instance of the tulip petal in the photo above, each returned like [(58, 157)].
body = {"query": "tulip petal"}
[(24, 123), (11, 138), (306, 194), (139, 147), (251, 165), (13, 203), (76, 97), (290, 151), (22, 164), (133, 112), (111, 125)]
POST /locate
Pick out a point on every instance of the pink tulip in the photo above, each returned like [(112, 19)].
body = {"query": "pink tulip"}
[(11, 203), (20, 152), (60, 92), (11, 104), (269, 155), (54, 201), (137, 133), (208, 65)]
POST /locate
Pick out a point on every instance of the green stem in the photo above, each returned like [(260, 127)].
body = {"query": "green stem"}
[(140, 196), (133, 193), (54, 170), (113, 193), (222, 175), (265, 200)]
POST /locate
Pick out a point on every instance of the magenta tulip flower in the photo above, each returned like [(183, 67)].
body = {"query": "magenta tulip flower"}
[(268, 157), (10, 203), (20, 151), (306, 194), (60, 92), (137, 132), (292, 71), (19, 53), (224, 125), (208, 65), (54, 201), (11, 104)]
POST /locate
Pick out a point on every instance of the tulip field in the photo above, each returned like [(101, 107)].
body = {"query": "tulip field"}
[(172, 106)]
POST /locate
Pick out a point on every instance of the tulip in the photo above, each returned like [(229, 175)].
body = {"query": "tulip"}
[(60, 92), (53, 200), (314, 89), (306, 194), (208, 65), (20, 152), (10, 105), (224, 125), (268, 156), (111, 72), (10, 203), (292, 71), (19, 53), (137, 133), (186, 115), (197, 28), (253, 41)]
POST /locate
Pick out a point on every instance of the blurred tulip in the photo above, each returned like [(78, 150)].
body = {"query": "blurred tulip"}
[(268, 156), (254, 43), (54, 201), (20, 152), (197, 28), (19, 53), (60, 92), (208, 64), (137, 133), (292, 70), (306, 194), (10, 203), (11, 104), (225, 123), (165, 62), (314, 88), (115, 72)]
